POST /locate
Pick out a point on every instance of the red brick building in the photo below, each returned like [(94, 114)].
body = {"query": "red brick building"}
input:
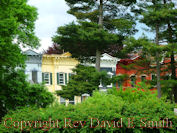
[(137, 73)]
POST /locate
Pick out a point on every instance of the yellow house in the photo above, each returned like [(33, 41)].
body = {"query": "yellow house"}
[(56, 70)]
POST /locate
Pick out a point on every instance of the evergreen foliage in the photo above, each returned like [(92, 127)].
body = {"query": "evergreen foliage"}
[(111, 15), (83, 39), (85, 80), (160, 17)]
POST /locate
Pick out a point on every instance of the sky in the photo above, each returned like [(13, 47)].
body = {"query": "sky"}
[(51, 15)]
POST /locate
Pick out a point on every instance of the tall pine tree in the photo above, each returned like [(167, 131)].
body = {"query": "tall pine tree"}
[(160, 16), (112, 15), (150, 11), (169, 35)]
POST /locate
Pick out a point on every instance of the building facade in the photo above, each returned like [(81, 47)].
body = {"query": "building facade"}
[(108, 64), (56, 70), (139, 73), (33, 68)]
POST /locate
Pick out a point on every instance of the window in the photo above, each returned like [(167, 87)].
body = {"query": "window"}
[(71, 102), (104, 83), (110, 76), (113, 69), (34, 76), (70, 75), (46, 78), (153, 80), (62, 100), (166, 77), (143, 78), (153, 77), (61, 78), (133, 81)]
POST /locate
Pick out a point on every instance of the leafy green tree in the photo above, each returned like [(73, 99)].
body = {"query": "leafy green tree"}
[(17, 92), (103, 107), (111, 15), (85, 80), (17, 27), (17, 21)]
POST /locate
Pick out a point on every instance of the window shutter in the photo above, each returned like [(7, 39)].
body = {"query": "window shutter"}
[(42, 77), (69, 76), (51, 78), (66, 78), (58, 78)]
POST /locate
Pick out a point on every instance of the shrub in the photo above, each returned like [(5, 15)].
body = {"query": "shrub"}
[(111, 107), (16, 92)]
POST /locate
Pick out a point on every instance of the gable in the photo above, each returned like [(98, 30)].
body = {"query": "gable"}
[(67, 54), (106, 56), (30, 52)]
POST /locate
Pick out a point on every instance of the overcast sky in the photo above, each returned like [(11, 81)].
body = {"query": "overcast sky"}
[(52, 14)]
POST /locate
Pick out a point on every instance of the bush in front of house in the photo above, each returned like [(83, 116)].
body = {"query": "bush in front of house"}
[(117, 111), (16, 92)]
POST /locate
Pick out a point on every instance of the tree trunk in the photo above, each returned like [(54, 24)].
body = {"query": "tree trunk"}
[(158, 63), (173, 76), (100, 22), (98, 56), (172, 63)]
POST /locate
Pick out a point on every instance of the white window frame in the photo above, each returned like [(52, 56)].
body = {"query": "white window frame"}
[(110, 74), (113, 69), (62, 100), (36, 75), (61, 78), (101, 85), (46, 78)]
